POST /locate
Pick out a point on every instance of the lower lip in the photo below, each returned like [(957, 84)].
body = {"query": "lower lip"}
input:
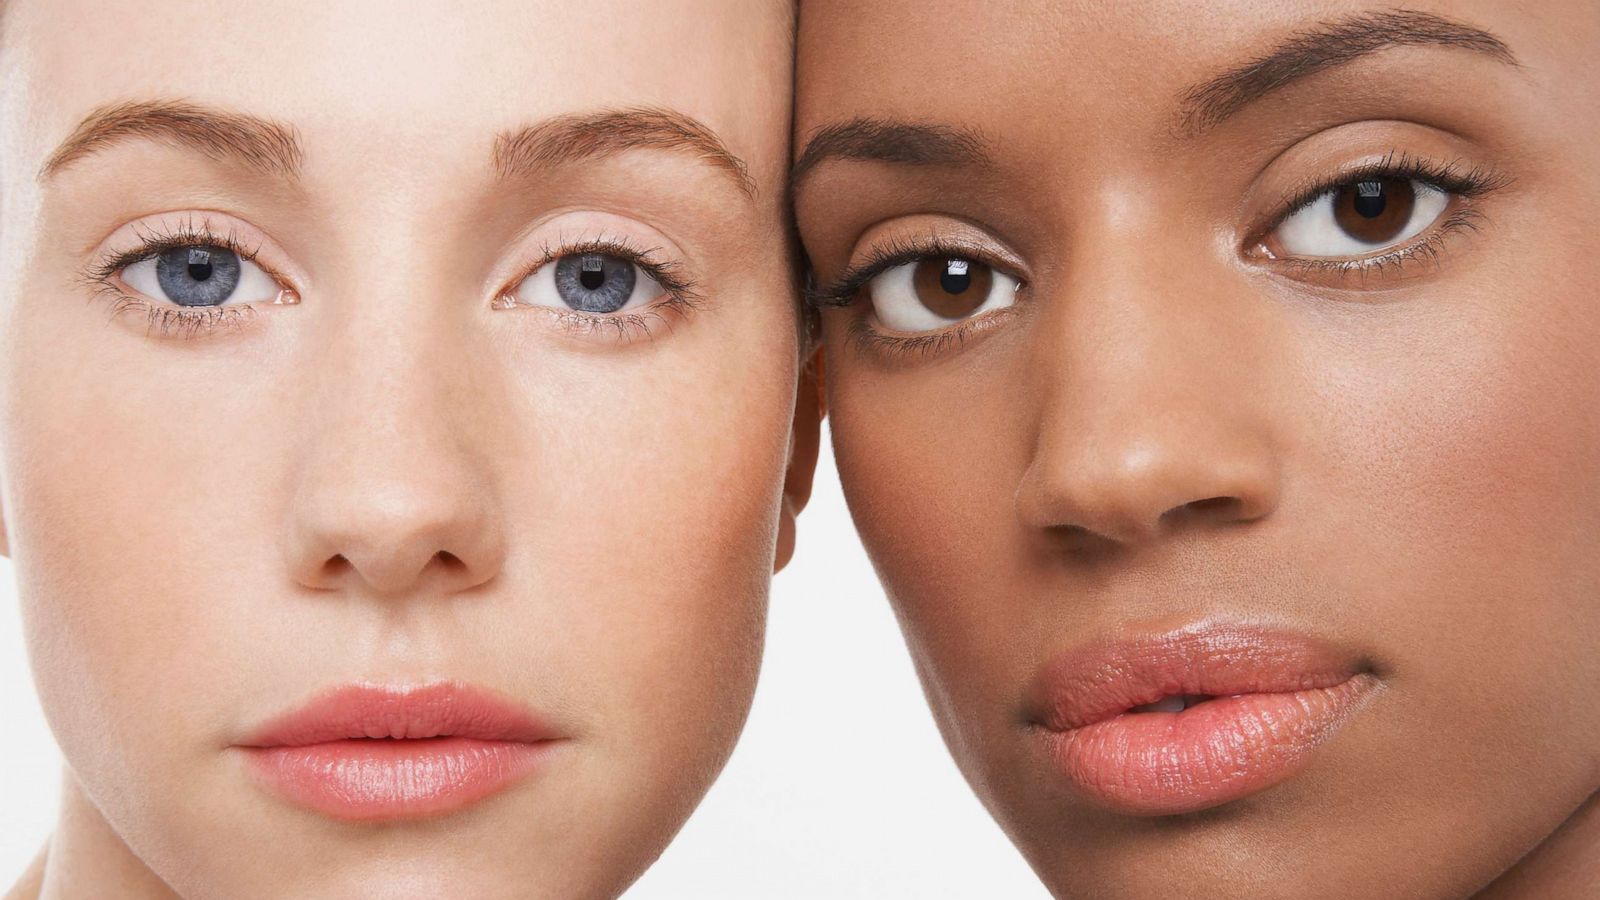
[(1167, 763), (395, 779)]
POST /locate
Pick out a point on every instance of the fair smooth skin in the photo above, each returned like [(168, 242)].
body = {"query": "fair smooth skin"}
[(1165, 426), (394, 480)]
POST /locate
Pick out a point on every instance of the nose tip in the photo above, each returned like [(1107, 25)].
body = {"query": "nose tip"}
[(1137, 491), (394, 488), (407, 536)]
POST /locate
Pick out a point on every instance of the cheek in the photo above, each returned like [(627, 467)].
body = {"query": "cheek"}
[(131, 558), (1456, 494), (929, 459), (650, 529), (640, 511)]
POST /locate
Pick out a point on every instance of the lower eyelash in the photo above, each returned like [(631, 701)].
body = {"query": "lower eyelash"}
[(183, 322), (932, 343), (171, 320), (622, 326), (1426, 250)]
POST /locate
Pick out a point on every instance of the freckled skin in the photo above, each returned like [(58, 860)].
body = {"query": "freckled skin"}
[(396, 479), (1168, 427)]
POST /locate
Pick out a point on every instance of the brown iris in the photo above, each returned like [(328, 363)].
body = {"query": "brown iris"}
[(1376, 210), (952, 288)]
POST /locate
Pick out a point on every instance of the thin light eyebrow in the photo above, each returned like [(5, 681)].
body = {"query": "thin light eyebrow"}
[(1325, 46), (254, 142), (580, 136), (884, 140)]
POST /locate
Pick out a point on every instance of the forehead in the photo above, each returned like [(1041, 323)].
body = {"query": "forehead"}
[(405, 72), (964, 59)]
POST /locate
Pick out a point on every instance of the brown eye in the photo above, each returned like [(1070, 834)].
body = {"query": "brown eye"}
[(1359, 218), (1375, 211), (952, 288), (937, 291)]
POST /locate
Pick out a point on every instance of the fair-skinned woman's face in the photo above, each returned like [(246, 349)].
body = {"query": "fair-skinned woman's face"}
[(400, 345), (1214, 391)]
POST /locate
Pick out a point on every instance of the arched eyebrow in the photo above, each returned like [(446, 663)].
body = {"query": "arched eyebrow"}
[(257, 143), (1325, 46), (579, 136), (275, 149), (885, 140)]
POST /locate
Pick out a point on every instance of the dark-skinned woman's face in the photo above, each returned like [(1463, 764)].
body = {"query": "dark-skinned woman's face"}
[(1217, 392)]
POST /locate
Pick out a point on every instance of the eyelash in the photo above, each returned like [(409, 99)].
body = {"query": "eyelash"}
[(896, 252), (682, 292), (171, 319), (1449, 177), (188, 322), (845, 289)]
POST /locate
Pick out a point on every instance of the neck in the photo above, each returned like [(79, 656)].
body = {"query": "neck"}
[(1564, 866), (86, 858)]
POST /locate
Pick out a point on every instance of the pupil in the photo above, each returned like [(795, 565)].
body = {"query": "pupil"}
[(199, 264), (951, 288), (592, 271), (1370, 201), (956, 277), (595, 282)]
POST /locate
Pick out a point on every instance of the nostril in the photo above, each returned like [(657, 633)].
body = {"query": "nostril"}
[(335, 564), (1214, 509)]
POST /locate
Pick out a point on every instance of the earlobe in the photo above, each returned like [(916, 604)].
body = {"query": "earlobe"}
[(809, 407)]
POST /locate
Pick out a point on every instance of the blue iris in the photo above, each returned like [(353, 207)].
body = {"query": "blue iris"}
[(198, 276), (594, 282)]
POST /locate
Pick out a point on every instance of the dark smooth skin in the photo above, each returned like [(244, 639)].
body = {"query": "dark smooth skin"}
[(1169, 427)]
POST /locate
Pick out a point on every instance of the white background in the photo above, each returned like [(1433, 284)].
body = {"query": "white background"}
[(839, 788)]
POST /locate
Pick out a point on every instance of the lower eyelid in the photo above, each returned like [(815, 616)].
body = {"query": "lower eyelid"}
[(1427, 246), (172, 320)]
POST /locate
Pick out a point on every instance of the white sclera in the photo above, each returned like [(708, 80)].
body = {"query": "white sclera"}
[(894, 300), (254, 283), (539, 289), (1313, 231)]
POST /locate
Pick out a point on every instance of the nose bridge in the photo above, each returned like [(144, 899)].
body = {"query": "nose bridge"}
[(1154, 393), (393, 486)]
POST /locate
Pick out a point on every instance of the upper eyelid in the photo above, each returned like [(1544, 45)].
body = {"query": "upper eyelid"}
[(667, 272), (1453, 177), (882, 259), (556, 232), (151, 234)]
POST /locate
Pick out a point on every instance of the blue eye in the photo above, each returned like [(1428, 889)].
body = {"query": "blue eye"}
[(199, 275), (589, 283), (594, 282)]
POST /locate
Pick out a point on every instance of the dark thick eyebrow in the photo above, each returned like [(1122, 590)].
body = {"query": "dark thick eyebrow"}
[(1325, 46), (258, 143), (580, 136), (883, 140)]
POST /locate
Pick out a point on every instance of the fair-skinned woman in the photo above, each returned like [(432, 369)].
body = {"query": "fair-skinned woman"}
[(396, 402)]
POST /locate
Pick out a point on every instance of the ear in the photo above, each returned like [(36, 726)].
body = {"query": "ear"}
[(810, 405)]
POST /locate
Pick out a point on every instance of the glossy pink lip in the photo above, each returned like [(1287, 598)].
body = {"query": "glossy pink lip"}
[(363, 752), (1274, 698)]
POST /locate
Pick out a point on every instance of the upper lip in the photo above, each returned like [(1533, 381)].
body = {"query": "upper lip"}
[(367, 710), (1109, 676)]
